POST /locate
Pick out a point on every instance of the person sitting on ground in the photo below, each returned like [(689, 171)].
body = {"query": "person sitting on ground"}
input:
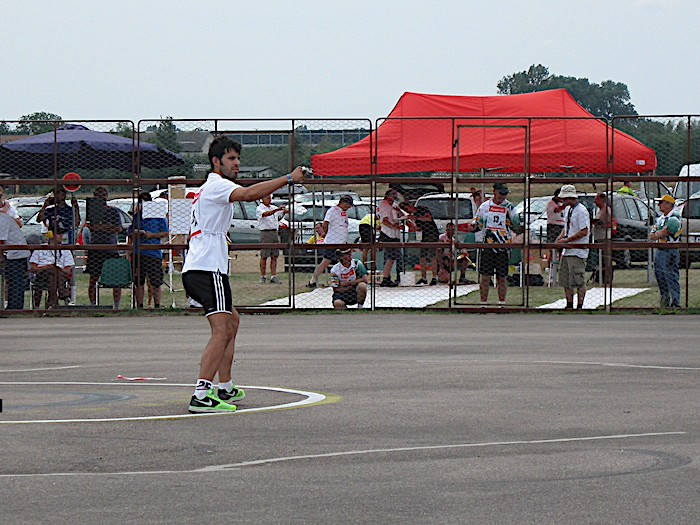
[(53, 269), (349, 281), (425, 224), (449, 257)]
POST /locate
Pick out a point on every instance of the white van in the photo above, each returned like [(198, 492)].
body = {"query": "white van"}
[(683, 189)]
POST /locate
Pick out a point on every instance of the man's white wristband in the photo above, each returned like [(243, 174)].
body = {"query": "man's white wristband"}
[(290, 181)]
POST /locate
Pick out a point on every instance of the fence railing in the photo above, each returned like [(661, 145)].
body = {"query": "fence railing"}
[(86, 268)]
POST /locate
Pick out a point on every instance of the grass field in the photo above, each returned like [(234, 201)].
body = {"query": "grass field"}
[(248, 292)]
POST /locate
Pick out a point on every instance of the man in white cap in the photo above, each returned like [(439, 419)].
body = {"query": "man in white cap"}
[(577, 227)]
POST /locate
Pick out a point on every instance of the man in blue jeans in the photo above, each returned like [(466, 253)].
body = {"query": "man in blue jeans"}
[(15, 262), (667, 232)]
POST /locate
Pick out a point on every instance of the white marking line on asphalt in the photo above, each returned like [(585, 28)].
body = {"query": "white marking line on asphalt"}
[(311, 399), (40, 369), (583, 363), (624, 365), (220, 468)]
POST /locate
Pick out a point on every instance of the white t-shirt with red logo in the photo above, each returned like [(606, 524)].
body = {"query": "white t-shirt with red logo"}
[(209, 225), (337, 219)]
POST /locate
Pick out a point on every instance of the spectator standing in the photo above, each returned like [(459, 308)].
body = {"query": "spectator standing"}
[(577, 229), (147, 262), (368, 231), (53, 269), (429, 232), (496, 219), (602, 233), (59, 217), (667, 231), (349, 281), (9, 208), (335, 226), (15, 260), (626, 189), (269, 224), (388, 212), (555, 221), (104, 224), (477, 197)]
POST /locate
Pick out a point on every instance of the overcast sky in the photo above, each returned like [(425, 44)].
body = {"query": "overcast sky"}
[(143, 59)]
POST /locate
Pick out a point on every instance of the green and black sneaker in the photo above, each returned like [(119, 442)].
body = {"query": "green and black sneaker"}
[(235, 394), (210, 403)]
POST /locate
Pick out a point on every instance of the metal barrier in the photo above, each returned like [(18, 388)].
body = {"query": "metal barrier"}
[(83, 255)]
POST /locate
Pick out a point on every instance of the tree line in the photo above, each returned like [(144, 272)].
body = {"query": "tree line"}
[(676, 141)]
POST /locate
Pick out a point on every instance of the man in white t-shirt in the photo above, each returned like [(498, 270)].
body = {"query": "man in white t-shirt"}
[(205, 271), (269, 224), (577, 227), (349, 281), (391, 228), (335, 225)]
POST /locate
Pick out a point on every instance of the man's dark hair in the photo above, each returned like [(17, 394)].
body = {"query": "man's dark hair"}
[(220, 146), (145, 196)]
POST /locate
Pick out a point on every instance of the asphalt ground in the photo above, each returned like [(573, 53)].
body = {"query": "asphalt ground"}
[(409, 418)]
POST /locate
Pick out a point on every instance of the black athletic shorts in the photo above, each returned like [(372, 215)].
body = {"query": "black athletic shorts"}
[(491, 262), (390, 253), (210, 289)]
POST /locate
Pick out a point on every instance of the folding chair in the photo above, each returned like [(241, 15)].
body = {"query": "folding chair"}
[(116, 273)]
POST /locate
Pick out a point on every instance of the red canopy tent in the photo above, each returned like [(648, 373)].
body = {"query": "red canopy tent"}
[(419, 133)]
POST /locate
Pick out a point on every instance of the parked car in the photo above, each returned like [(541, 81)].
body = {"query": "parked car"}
[(538, 205), (34, 227), (634, 220), (412, 192), (690, 220), (442, 208), (688, 187)]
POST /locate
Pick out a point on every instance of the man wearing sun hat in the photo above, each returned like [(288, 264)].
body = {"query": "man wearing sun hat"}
[(577, 227), (667, 232)]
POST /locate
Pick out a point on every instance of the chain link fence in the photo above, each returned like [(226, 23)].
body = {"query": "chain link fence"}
[(98, 214)]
